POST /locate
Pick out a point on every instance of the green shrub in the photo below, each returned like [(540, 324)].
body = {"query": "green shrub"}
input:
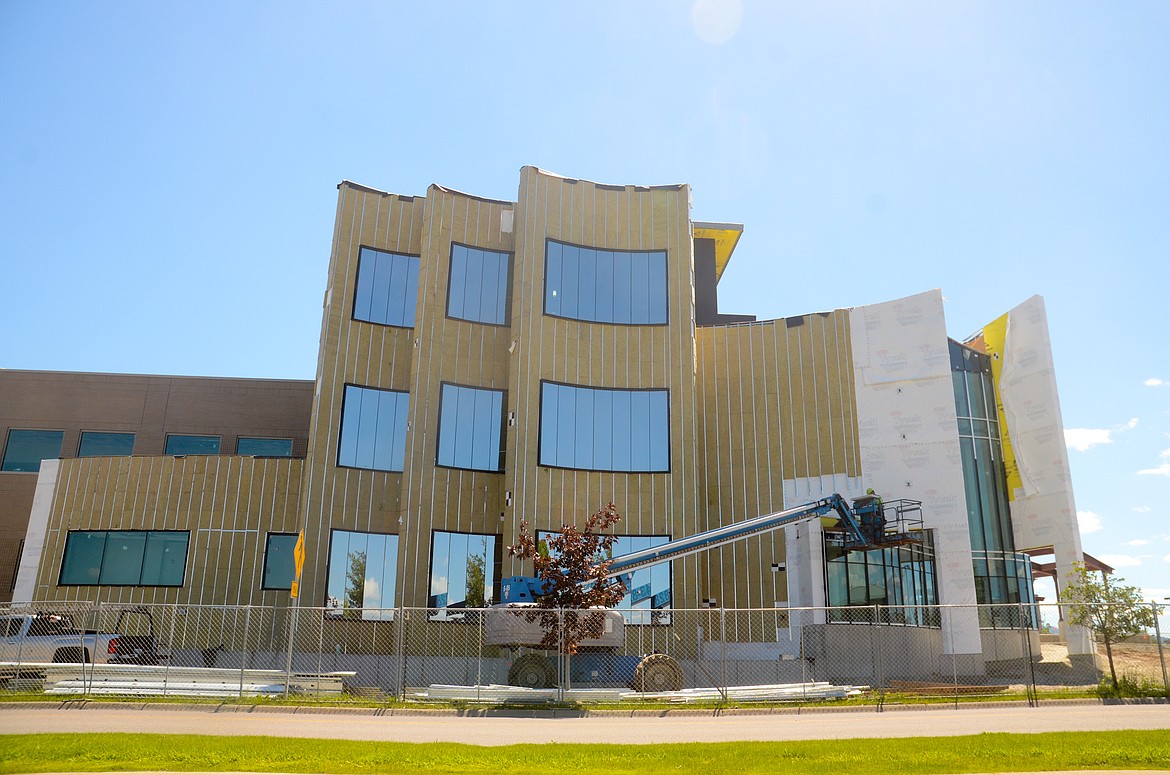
[(1130, 686)]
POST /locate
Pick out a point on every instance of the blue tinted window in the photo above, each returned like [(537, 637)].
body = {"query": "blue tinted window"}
[(257, 447), (280, 565), (125, 558), (478, 286), (373, 429), (192, 445), (362, 575), (464, 570), (603, 429), (100, 444), (387, 288), (471, 428), (605, 286), (26, 449)]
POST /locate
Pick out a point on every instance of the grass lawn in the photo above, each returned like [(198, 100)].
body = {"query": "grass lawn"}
[(974, 753)]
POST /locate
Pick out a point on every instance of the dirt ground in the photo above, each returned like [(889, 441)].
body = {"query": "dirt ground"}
[(1136, 660)]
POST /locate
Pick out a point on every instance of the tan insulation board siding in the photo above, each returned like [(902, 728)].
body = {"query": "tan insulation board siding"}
[(229, 505), (600, 355), (775, 403), (454, 351), (361, 353)]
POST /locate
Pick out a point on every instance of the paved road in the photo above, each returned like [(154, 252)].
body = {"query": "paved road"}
[(496, 730)]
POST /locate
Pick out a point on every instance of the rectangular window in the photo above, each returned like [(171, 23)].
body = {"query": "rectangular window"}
[(605, 286), (27, 448), (257, 447), (362, 575), (192, 445), (102, 444), (478, 285), (387, 288), (280, 565), (125, 558), (604, 429), (373, 429), (465, 569), (471, 428)]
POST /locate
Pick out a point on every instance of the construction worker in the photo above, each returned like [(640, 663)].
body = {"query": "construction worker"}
[(869, 508)]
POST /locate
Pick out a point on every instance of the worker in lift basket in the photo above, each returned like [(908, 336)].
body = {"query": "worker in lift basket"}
[(869, 507)]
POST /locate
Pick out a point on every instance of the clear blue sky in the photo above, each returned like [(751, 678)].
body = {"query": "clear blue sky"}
[(168, 172)]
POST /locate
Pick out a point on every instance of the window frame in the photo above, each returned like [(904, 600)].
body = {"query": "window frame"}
[(496, 567), (291, 443), (101, 566), (507, 285), (393, 576), (353, 312), (81, 441), (540, 427), (405, 431), (267, 549), (503, 427), (644, 251), (169, 436), (8, 445)]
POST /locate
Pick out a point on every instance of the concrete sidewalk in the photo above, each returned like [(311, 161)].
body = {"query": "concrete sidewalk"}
[(597, 727)]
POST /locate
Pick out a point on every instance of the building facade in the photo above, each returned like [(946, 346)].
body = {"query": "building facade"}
[(133, 420), (485, 362)]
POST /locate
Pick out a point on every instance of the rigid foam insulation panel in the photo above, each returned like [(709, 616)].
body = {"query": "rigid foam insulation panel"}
[(1039, 480), (909, 439)]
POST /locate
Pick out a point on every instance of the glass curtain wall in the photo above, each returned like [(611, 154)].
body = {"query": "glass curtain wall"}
[(1003, 576), (899, 577)]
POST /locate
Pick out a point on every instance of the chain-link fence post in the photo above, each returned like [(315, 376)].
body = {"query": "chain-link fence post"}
[(878, 667), (244, 647), (169, 649), (483, 614), (561, 654), (1026, 651), (399, 687), (291, 612), (723, 651), (88, 667), (1161, 649)]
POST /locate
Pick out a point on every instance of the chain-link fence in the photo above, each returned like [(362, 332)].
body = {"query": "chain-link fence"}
[(880, 653)]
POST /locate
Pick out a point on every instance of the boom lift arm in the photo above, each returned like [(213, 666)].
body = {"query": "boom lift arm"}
[(864, 525)]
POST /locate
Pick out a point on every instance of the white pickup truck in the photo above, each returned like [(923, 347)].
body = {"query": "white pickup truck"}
[(53, 637)]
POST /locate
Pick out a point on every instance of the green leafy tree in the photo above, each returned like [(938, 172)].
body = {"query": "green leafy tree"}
[(476, 579), (1113, 610), (355, 582), (574, 566)]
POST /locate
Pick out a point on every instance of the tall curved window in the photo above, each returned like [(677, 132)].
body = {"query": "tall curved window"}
[(362, 575), (465, 570), (605, 286), (604, 429), (373, 429), (477, 286), (387, 288), (471, 428)]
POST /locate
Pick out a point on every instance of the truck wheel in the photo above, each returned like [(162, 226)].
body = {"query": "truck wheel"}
[(70, 655), (532, 671), (658, 673)]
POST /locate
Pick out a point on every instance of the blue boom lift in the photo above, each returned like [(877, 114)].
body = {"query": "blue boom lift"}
[(866, 523)]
